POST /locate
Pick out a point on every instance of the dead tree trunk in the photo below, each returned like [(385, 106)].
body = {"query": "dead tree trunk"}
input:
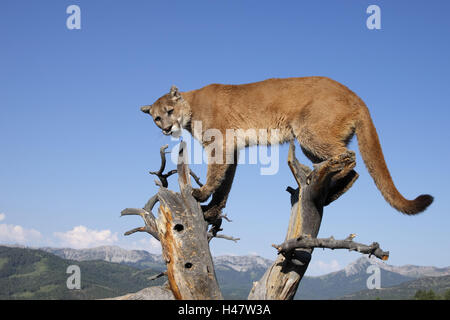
[(182, 231), (281, 280), (184, 236)]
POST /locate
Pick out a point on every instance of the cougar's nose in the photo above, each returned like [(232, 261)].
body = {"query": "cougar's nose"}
[(167, 129)]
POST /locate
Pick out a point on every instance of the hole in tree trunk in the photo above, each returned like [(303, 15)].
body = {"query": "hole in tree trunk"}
[(178, 227)]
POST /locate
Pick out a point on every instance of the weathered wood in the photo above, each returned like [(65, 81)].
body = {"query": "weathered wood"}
[(307, 242), (148, 217), (183, 235), (151, 293), (281, 280)]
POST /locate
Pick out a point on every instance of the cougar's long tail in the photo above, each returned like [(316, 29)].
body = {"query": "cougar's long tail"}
[(371, 152)]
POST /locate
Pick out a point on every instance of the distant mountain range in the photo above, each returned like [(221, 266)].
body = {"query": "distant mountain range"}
[(112, 271), (36, 274), (405, 290), (142, 258), (137, 258), (353, 278)]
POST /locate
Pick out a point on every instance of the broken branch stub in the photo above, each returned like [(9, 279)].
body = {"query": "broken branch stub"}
[(148, 217)]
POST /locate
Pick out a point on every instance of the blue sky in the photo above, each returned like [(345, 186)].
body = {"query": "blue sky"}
[(75, 149)]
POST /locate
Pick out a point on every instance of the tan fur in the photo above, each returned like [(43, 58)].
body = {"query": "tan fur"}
[(320, 113)]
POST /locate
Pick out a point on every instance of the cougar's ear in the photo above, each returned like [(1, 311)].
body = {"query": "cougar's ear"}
[(146, 109), (175, 94)]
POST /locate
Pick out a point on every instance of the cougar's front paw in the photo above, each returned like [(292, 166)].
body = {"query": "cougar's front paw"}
[(211, 213), (200, 194)]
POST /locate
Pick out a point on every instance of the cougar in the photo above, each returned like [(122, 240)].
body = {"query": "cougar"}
[(322, 114)]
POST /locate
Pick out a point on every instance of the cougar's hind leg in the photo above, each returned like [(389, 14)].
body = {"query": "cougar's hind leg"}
[(318, 151)]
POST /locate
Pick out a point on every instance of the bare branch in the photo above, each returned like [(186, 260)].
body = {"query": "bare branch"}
[(300, 171), (150, 204), (171, 172), (162, 177), (291, 190), (213, 233), (133, 211), (225, 216), (196, 178), (156, 276), (138, 229), (304, 242), (222, 236), (149, 218)]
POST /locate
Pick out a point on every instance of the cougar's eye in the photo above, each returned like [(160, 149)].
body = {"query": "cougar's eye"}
[(169, 112), (157, 118)]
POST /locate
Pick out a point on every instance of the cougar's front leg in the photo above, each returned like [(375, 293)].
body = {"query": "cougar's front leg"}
[(214, 178), (219, 199)]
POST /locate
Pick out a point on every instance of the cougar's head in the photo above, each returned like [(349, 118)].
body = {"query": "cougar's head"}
[(170, 113)]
